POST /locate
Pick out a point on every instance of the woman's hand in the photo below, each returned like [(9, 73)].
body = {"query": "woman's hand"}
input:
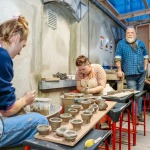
[(29, 97)]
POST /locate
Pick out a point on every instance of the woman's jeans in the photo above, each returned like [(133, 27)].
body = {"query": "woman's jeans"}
[(136, 82), (21, 127)]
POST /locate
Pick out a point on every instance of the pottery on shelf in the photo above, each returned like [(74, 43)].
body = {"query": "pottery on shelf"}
[(86, 116), (78, 107), (73, 112), (43, 129), (76, 123), (70, 135), (85, 104), (55, 123), (65, 117), (60, 131)]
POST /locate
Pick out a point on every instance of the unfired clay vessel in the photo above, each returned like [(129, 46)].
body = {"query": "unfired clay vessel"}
[(70, 135), (86, 116), (95, 107), (85, 104), (55, 123), (73, 112), (65, 117), (78, 107), (60, 131), (43, 129), (76, 123)]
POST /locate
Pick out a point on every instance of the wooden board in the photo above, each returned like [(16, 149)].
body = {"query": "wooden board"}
[(85, 128)]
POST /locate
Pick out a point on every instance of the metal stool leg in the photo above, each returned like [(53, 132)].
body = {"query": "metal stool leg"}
[(27, 148)]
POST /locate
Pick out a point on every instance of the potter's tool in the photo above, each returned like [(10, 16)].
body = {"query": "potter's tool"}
[(91, 142)]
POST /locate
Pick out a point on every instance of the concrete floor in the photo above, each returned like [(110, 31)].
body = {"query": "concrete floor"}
[(143, 142)]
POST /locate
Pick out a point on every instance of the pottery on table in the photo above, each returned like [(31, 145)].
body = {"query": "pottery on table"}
[(70, 135), (103, 106), (86, 116), (55, 123), (43, 129), (60, 131), (99, 100), (90, 109), (73, 112), (78, 107), (69, 95), (76, 123), (65, 117), (92, 100), (85, 104), (95, 107)]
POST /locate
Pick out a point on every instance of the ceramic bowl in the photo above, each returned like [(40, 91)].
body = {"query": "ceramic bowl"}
[(76, 123), (69, 95), (99, 100), (90, 109), (73, 112), (86, 116), (70, 135), (78, 107), (55, 123), (65, 117), (85, 104), (43, 129), (60, 131), (95, 107), (103, 106)]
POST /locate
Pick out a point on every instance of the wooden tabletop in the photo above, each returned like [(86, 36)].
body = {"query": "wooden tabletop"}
[(85, 128)]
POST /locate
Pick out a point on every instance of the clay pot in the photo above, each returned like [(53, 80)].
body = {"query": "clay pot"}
[(85, 104), (55, 123), (90, 109), (91, 100), (76, 123), (78, 107), (86, 116), (41, 105), (43, 129), (103, 106), (73, 112), (70, 135), (95, 107), (69, 95), (60, 131), (99, 100), (65, 117)]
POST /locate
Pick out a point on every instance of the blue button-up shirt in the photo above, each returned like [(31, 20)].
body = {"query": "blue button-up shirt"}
[(132, 62)]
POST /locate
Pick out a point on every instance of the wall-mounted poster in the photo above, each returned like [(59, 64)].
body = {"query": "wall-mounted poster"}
[(106, 44), (111, 47), (101, 42)]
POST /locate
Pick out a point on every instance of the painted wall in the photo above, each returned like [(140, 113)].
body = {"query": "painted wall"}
[(49, 51)]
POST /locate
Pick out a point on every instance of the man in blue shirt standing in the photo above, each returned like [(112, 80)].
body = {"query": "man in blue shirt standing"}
[(132, 60)]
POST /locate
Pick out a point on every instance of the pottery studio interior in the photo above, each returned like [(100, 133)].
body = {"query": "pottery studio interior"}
[(74, 74)]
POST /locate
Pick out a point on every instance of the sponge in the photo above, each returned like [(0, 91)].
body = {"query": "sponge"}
[(89, 143)]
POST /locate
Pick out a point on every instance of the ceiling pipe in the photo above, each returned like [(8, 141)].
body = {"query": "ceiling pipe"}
[(108, 13)]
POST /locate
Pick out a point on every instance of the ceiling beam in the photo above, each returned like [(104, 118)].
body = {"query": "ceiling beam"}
[(107, 5), (138, 22), (133, 14), (145, 3)]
